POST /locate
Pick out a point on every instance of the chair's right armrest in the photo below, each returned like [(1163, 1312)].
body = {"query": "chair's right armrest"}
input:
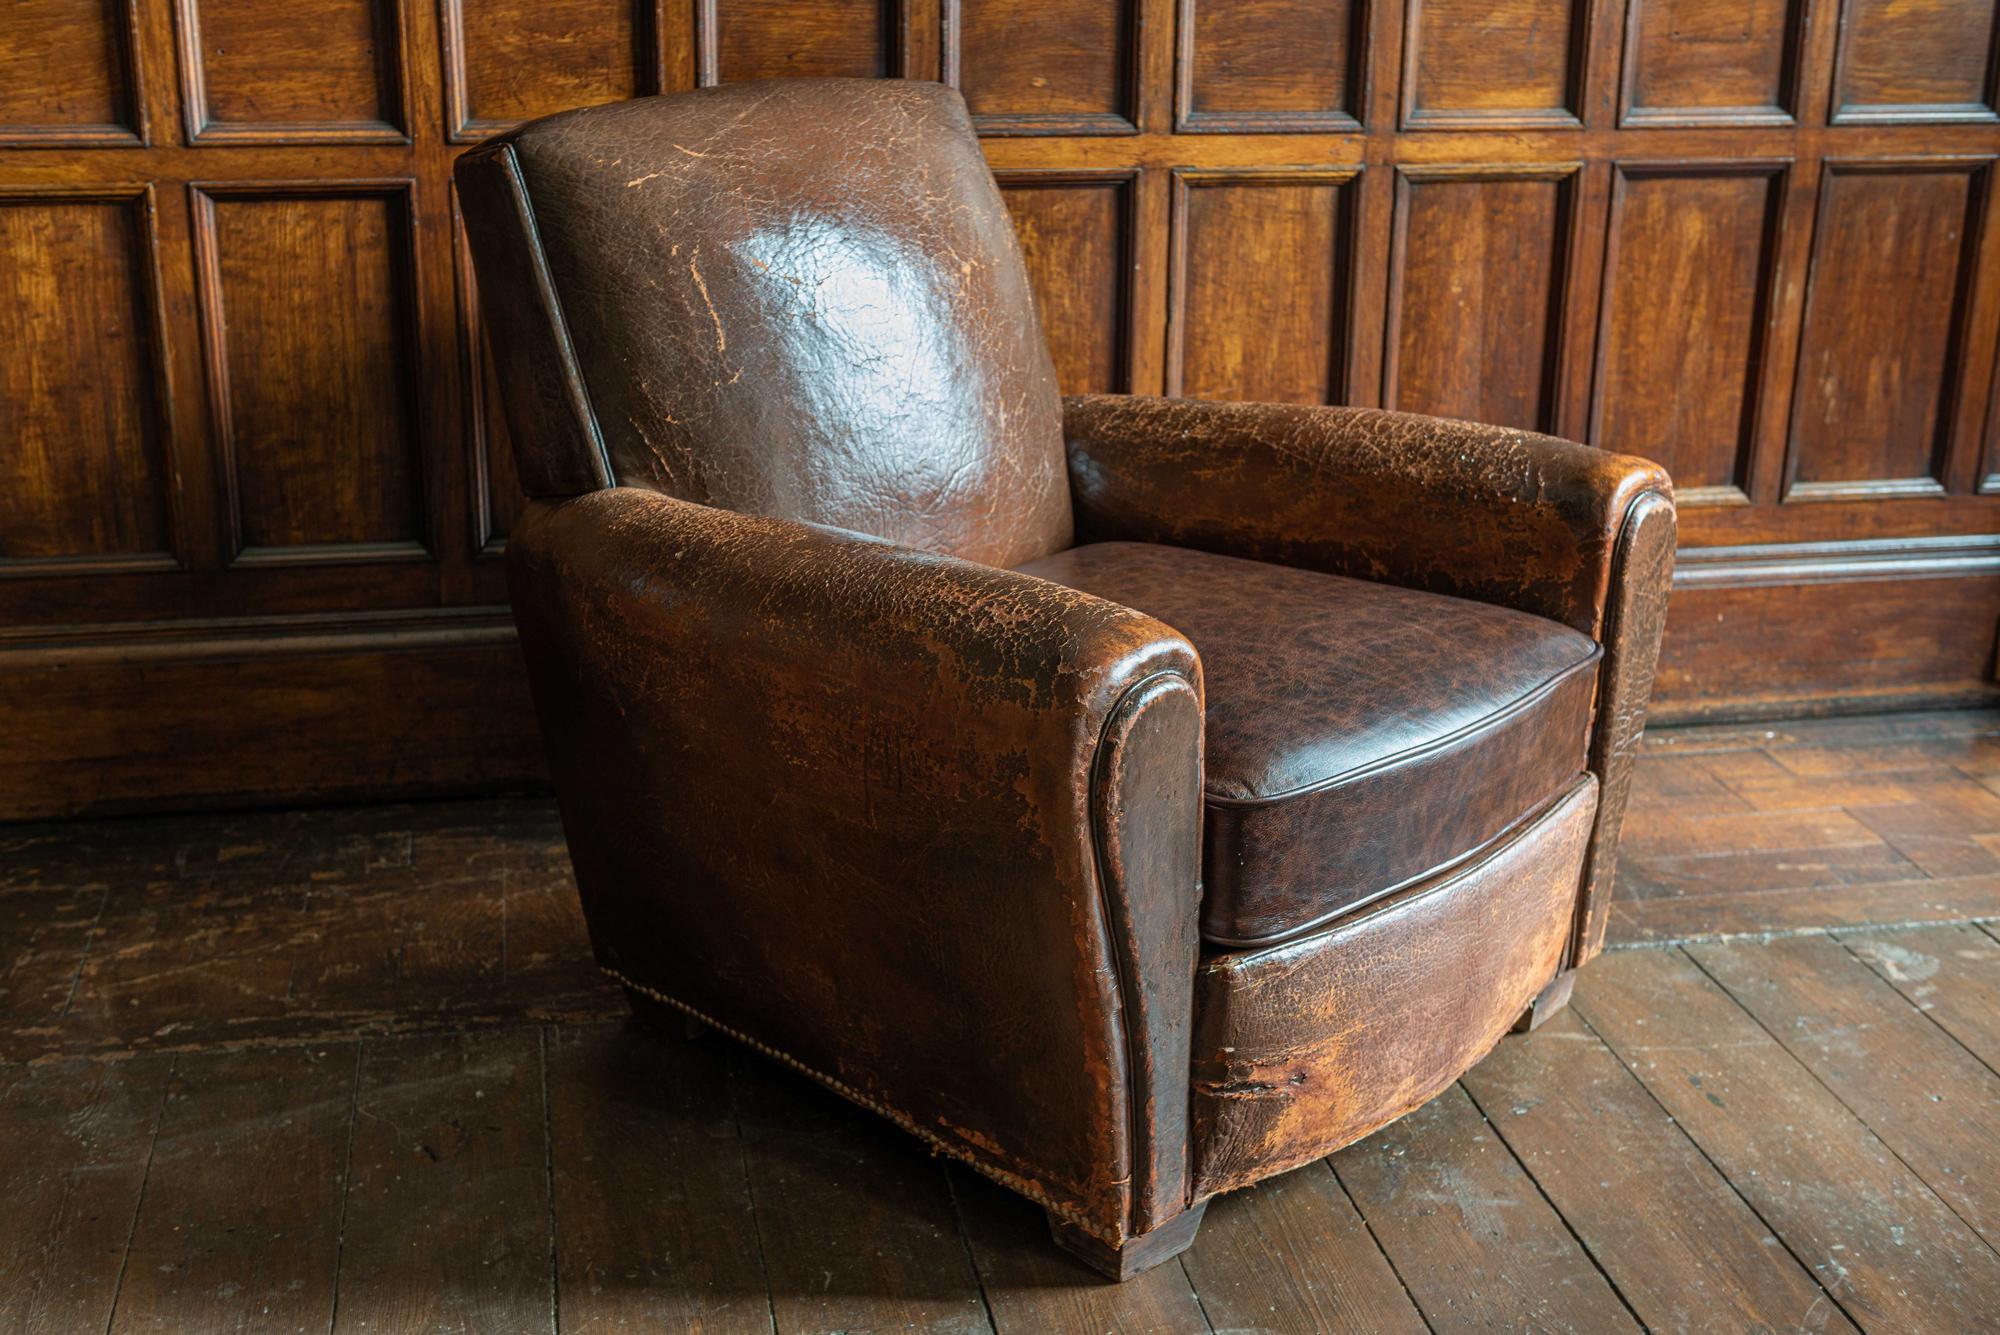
[(925, 829)]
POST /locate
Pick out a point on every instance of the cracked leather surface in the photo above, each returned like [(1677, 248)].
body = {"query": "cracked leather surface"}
[(1481, 512), (840, 794), (1360, 736), (1305, 1047), (929, 828), (843, 335)]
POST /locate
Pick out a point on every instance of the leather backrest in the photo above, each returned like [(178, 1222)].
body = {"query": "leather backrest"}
[(800, 298)]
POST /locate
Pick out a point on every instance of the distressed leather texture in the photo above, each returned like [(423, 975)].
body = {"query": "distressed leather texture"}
[(1305, 1047), (1361, 736), (864, 761), (851, 341), (1481, 512), (849, 799)]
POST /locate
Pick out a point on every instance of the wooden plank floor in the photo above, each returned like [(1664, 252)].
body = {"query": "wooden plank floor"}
[(351, 1070)]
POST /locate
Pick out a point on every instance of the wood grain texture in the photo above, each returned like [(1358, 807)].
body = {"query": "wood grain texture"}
[(1891, 1253), (1239, 326), (85, 471), (1075, 231), (1875, 378), (258, 73), (310, 323), (1475, 301), (1688, 1254), (1271, 65), (67, 75), (1481, 1249), (1045, 66), (1931, 60), (776, 39), (1688, 249), (511, 62), (1712, 62), (1473, 64)]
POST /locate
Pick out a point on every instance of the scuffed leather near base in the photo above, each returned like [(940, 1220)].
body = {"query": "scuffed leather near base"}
[(1306, 1047), (909, 754)]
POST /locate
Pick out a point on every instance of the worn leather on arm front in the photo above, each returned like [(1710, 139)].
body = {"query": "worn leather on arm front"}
[(926, 828), (1481, 512)]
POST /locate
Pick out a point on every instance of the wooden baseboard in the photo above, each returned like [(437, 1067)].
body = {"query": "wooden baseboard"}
[(103, 720), (1827, 628)]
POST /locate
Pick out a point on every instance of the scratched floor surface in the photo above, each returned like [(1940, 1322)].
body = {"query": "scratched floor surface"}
[(352, 1070)]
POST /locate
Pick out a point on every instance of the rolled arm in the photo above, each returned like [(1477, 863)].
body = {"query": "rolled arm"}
[(924, 829), (1482, 512)]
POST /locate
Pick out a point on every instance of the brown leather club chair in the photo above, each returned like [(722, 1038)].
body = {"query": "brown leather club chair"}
[(1133, 798)]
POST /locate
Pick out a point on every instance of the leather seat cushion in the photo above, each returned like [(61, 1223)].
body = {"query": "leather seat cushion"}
[(1360, 737)]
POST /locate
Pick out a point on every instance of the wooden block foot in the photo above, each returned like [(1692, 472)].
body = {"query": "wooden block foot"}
[(1552, 999), (1135, 1255)]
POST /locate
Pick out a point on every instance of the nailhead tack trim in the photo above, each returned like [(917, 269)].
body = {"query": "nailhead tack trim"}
[(1012, 1181)]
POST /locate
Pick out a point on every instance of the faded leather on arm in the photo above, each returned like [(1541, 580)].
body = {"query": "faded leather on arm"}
[(1482, 512), (962, 809)]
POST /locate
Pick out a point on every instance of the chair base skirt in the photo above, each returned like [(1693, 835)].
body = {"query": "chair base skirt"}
[(1135, 1255), (1307, 1046)]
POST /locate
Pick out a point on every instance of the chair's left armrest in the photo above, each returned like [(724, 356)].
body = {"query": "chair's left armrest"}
[(1547, 526)]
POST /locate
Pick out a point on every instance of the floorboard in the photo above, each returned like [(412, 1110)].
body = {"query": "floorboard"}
[(1880, 1242), (354, 1070)]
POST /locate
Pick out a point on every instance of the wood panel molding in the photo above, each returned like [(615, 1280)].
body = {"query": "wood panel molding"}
[(88, 490), (1469, 65), (554, 55), (296, 58), (1712, 269), (70, 75), (1905, 62), (1084, 286), (1725, 63), (1015, 86), (1273, 319), (1271, 100), (308, 535), (1877, 265), (765, 39), (1497, 351)]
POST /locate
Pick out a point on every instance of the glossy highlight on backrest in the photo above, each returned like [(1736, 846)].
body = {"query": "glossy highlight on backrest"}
[(801, 298)]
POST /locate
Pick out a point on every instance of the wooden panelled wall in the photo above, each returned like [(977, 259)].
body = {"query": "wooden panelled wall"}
[(252, 480)]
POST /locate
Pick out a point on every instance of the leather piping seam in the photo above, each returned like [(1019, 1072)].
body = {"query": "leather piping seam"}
[(1449, 867), (1415, 893), (545, 287), (1112, 929), (1012, 1181), (1613, 628), (1421, 750)]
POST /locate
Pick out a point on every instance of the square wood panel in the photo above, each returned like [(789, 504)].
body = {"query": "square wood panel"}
[(1916, 60), (1271, 66), (1045, 66), (520, 59), (67, 74), (1712, 62), (256, 73), (1471, 64)]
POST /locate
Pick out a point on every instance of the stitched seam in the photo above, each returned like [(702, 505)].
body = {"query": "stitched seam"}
[(1012, 1181), (1450, 739), (545, 282), (1111, 930), (1450, 867), (1425, 890)]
